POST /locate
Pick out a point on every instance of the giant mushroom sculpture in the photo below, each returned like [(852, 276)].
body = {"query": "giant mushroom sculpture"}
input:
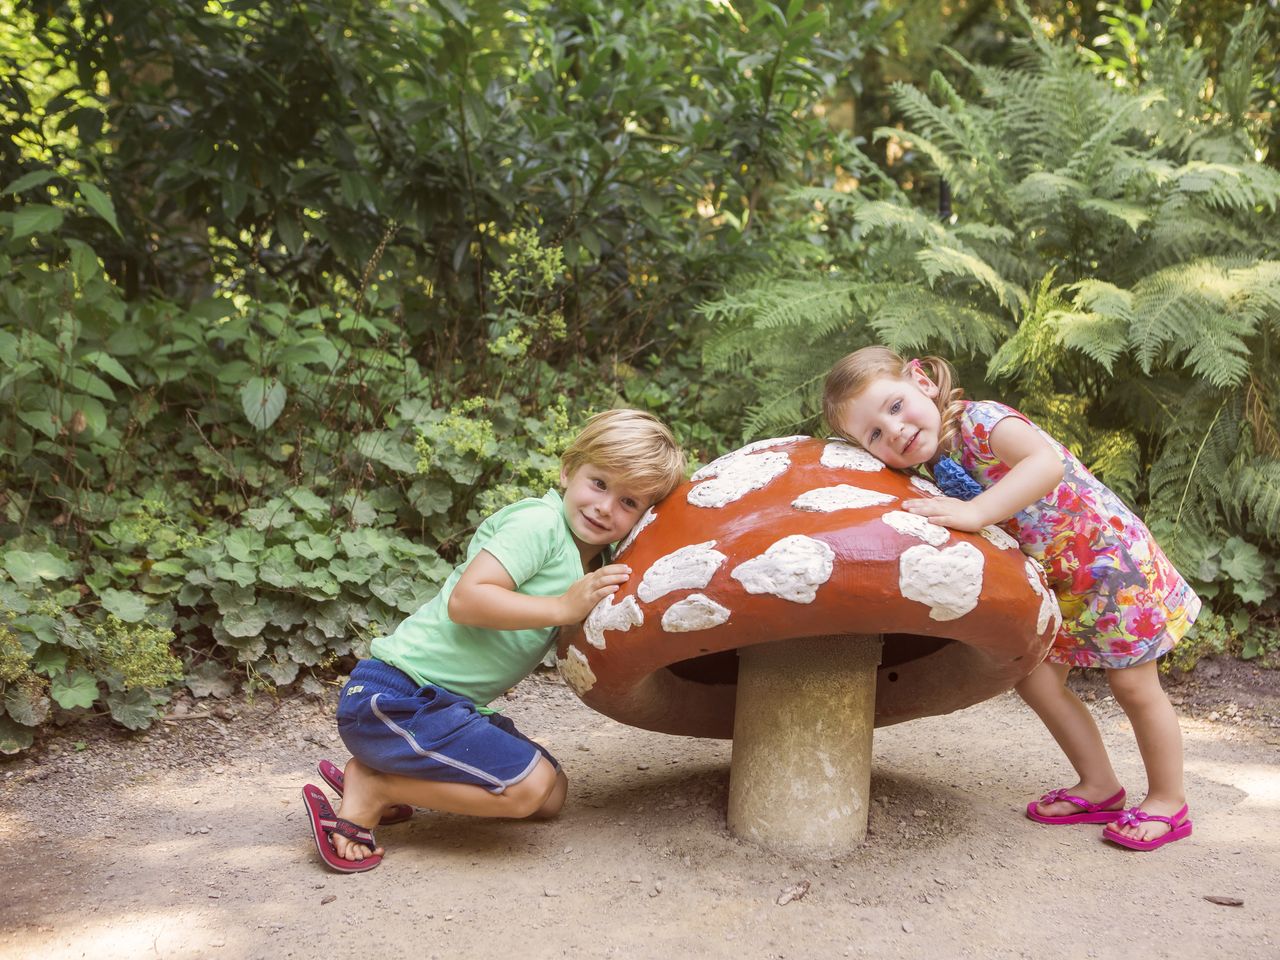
[(760, 595)]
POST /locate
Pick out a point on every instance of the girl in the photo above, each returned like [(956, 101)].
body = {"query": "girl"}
[(1123, 604)]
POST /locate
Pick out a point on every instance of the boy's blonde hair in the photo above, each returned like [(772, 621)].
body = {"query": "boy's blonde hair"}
[(851, 375), (635, 446)]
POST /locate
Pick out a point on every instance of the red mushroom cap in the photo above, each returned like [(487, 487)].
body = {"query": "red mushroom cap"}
[(799, 537)]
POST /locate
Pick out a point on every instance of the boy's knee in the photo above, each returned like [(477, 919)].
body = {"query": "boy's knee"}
[(531, 794)]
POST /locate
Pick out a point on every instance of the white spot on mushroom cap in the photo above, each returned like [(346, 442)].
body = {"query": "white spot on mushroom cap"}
[(793, 569), (695, 612), (713, 468), (840, 497), (576, 671), (947, 581), (999, 538), (649, 516), (686, 568), (1049, 609), (608, 616), (739, 477), (838, 453), (920, 483), (914, 525)]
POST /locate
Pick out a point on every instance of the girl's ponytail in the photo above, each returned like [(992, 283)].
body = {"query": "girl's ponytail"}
[(950, 399)]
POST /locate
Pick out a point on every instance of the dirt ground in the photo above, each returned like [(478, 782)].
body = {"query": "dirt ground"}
[(190, 841)]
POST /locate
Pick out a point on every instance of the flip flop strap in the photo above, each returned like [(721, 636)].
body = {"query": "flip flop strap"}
[(1054, 796), (352, 831), (1136, 815)]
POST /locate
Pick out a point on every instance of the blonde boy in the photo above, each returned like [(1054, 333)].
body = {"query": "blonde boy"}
[(414, 714)]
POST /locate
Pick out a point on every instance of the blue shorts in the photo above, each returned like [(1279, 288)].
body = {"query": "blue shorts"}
[(394, 725)]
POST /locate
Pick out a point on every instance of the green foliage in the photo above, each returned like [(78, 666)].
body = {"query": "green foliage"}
[(1109, 265)]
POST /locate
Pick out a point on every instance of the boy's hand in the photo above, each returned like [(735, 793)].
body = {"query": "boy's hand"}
[(580, 599), (948, 512)]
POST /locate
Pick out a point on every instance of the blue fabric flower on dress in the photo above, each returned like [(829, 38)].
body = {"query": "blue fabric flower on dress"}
[(954, 481)]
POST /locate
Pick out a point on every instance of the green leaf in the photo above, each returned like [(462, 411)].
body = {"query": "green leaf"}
[(129, 607), (100, 203), (33, 567), (245, 544), (49, 661), (110, 366), (209, 679), (79, 688), (316, 547), (309, 503), (26, 706), (244, 621), (1242, 561), (262, 401), (132, 709), (36, 218), (42, 420), (28, 180), (14, 738)]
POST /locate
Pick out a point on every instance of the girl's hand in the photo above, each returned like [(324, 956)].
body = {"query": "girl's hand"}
[(581, 598), (948, 512)]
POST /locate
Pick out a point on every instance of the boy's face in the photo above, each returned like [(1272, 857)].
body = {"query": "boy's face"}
[(896, 420), (600, 506)]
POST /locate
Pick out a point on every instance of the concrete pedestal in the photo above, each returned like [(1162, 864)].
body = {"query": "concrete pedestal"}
[(800, 777)]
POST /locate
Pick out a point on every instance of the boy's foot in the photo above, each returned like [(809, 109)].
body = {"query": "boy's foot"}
[(358, 806), (328, 829), (394, 813)]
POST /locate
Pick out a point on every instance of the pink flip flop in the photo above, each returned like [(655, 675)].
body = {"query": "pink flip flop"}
[(335, 778), (1179, 827), (1089, 812), (325, 823)]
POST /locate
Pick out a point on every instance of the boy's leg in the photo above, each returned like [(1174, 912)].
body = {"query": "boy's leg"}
[(1155, 726), (1073, 728), (431, 748), (369, 791)]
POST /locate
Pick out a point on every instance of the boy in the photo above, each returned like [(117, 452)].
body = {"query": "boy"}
[(413, 714)]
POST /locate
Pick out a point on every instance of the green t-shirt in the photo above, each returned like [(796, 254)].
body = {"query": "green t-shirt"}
[(532, 541)]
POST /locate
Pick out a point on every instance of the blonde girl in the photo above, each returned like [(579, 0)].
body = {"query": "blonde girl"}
[(1123, 604)]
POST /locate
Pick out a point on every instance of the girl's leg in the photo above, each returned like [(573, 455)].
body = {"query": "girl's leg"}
[(369, 792), (1072, 726), (1155, 725)]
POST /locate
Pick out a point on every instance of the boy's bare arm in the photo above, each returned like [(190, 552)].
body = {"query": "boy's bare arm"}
[(485, 596)]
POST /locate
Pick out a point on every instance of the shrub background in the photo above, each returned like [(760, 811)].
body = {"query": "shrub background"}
[(291, 294)]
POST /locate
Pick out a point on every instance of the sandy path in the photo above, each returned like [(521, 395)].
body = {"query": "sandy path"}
[(190, 842)]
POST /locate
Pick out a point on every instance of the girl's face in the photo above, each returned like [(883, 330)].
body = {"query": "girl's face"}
[(896, 419)]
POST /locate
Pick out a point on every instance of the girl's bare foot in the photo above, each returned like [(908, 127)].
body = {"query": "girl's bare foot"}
[(1149, 829)]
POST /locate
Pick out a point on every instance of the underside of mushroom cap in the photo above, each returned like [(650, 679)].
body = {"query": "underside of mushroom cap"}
[(802, 537)]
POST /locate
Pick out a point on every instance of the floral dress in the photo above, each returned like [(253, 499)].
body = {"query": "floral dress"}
[(1122, 601)]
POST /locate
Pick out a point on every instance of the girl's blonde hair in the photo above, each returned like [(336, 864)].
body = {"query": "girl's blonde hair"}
[(851, 375), (634, 445)]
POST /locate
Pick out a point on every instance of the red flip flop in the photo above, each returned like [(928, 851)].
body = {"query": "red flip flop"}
[(325, 823), (334, 777), (1089, 812), (1179, 827)]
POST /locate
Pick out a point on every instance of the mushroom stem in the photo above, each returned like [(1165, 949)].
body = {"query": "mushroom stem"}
[(800, 777)]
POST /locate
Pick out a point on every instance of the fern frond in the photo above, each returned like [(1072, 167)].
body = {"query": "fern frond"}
[(1189, 310), (939, 261), (910, 317), (1229, 186), (1258, 489)]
